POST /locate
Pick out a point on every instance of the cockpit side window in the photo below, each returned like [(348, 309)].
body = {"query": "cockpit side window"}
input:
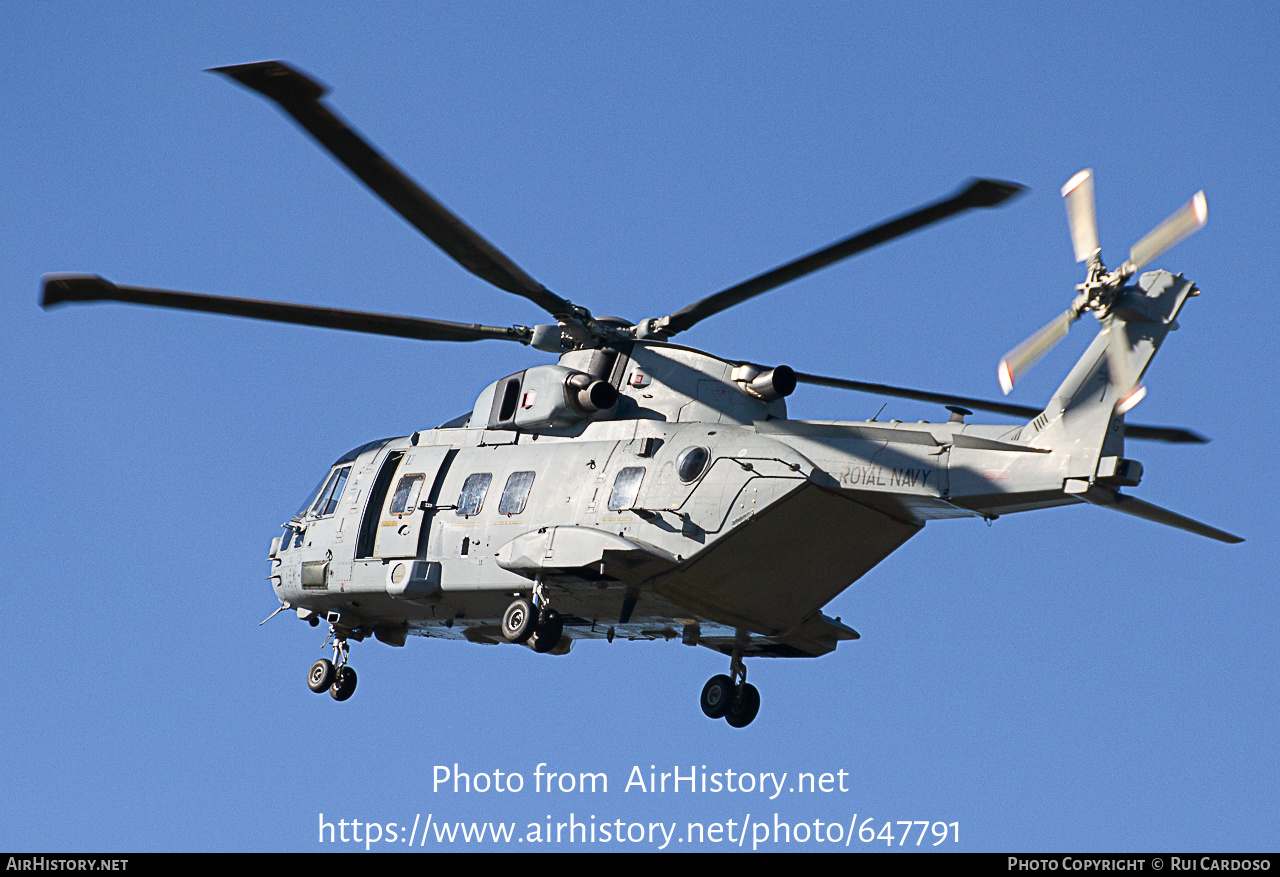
[(327, 502), (332, 505), (471, 500), (311, 496), (312, 502)]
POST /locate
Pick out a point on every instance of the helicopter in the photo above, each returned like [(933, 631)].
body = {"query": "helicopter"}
[(645, 489)]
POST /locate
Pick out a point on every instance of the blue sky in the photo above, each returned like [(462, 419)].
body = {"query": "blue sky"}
[(1063, 680)]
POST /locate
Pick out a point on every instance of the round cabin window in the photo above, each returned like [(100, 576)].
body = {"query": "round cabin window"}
[(692, 463)]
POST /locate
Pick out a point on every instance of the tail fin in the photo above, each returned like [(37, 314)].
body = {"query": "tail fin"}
[(1081, 417)]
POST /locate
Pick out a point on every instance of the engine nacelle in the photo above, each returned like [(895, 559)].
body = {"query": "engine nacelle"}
[(543, 397), (768, 386)]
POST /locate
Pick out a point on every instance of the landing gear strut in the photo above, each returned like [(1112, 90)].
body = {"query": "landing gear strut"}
[(334, 675), (731, 697)]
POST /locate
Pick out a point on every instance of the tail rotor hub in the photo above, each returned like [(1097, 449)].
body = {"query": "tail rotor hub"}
[(1101, 288)]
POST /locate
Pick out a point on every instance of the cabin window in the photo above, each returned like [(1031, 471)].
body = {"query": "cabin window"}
[(405, 500), (625, 488), (471, 500), (692, 463), (516, 493), (327, 502)]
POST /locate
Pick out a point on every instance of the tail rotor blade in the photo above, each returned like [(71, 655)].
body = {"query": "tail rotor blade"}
[(1128, 391), (1082, 214), (1189, 219), (1026, 354)]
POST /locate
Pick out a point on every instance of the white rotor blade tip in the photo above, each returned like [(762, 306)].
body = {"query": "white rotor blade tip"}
[(1201, 207), (1005, 374), (1075, 181), (1130, 399)]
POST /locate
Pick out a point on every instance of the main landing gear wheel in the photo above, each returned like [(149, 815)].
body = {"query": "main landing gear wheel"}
[(546, 636), (717, 696), (320, 676), (344, 683), (743, 708), (519, 621), (731, 697)]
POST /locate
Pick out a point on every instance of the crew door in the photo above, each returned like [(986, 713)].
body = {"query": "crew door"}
[(403, 510)]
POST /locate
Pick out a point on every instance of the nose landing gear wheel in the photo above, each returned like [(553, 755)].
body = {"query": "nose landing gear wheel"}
[(519, 621), (548, 632), (344, 683), (744, 708), (320, 676), (717, 695)]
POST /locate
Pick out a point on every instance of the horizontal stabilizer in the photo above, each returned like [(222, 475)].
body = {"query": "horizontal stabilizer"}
[(1130, 505)]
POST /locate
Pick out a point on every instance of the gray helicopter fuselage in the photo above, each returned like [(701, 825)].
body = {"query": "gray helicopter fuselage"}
[(691, 508)]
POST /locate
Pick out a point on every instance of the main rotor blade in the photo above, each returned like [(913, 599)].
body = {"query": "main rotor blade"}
[(1026, 354), (1171, 434), (978, 193), (1187, 220), (1082, 214), (59, 289), (919, 395), (299, 96)]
